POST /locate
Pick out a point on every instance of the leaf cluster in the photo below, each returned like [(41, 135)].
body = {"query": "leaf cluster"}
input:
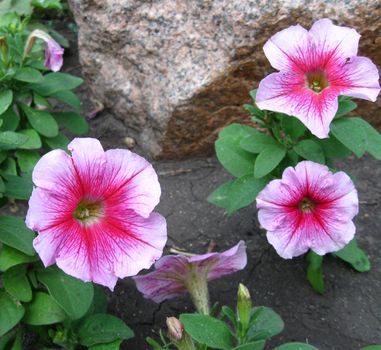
[(29, 95)]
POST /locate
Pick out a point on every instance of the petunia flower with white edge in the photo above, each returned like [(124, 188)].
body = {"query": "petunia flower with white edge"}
[(93, 212), (315, 67), (309, 208)]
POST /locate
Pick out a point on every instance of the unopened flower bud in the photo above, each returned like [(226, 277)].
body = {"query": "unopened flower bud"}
[(243, 305), (175, 329), (3, 47)]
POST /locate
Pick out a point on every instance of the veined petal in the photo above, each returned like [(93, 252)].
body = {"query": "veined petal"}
[(285, 49), (287, 93), (89, 162), (356, 77), (130, 182), (167, 281), (333, 39)]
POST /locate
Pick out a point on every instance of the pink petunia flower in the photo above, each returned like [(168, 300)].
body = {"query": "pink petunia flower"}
[(315, 67), (53, 56), (93, 212), (309, 208), (176, 274), (53, 52)]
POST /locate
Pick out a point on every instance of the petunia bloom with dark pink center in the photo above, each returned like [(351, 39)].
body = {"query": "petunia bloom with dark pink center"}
[(176, 274), (315, 67), (309, 208), (93, 212)]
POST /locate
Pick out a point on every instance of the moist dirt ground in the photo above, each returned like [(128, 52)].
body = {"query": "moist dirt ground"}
[(346, 317)]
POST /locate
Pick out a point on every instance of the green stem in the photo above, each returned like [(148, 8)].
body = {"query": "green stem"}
[(197, 286)]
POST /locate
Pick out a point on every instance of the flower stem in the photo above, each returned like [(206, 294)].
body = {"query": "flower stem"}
[(197, 286)]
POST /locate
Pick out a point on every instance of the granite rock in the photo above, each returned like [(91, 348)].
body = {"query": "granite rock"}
[(177, 71)]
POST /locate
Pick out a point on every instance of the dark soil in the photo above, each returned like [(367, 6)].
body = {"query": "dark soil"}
[(347, 317)]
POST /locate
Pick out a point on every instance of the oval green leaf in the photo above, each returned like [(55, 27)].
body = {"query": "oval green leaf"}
[(6, 97), (207, 330), (16, 283), (11, 313), (43, 310), (73, 295), (269, 159), (29, 75), (310, 150), (15, 234), (43, 122), (72, 121), (295, 346), (101, 329)]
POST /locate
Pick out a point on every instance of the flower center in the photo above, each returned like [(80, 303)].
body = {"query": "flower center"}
[(88, 211), (316, 81), (306, 205)]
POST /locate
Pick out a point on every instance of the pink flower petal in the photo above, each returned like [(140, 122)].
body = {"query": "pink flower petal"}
[(286, 93), (326, 227), (357, 77), (53, 55), (167, 281), (283, 49), (130, 182), (329, 38), (89, 161)]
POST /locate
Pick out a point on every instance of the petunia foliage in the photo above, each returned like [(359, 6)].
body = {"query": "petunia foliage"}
[(37, 103), (303, 112)]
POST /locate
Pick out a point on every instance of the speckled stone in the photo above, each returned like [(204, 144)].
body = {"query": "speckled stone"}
[(177, 71)]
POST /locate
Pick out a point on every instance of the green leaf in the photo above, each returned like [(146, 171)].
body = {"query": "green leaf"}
[(257, 142), (8, 167), (6, 98), (27, 159), (230, 314), (10, 257), (60, 141), (56, 82), (17, 344), (310, 150), (102, 328), (115, 345), (99, 302), (12, 140), (16, 283), (6, 339), (345, 106), (315, 272), (47, 4), (237, 194), (15, 234), (207, 330), (73, 295), (256, 345), (34, 140), (43, 310), (10, 120), (233, 158), (372, 347), (355, 256), (72, 121), (29, 75), (43, 122), (295, 346), (11, 313), (374, 139), (69, 98), (292, 126), (40, 101), (269, 159), (264, 324), (350, 133), (21, 7), (18, 187), (333, 148)]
